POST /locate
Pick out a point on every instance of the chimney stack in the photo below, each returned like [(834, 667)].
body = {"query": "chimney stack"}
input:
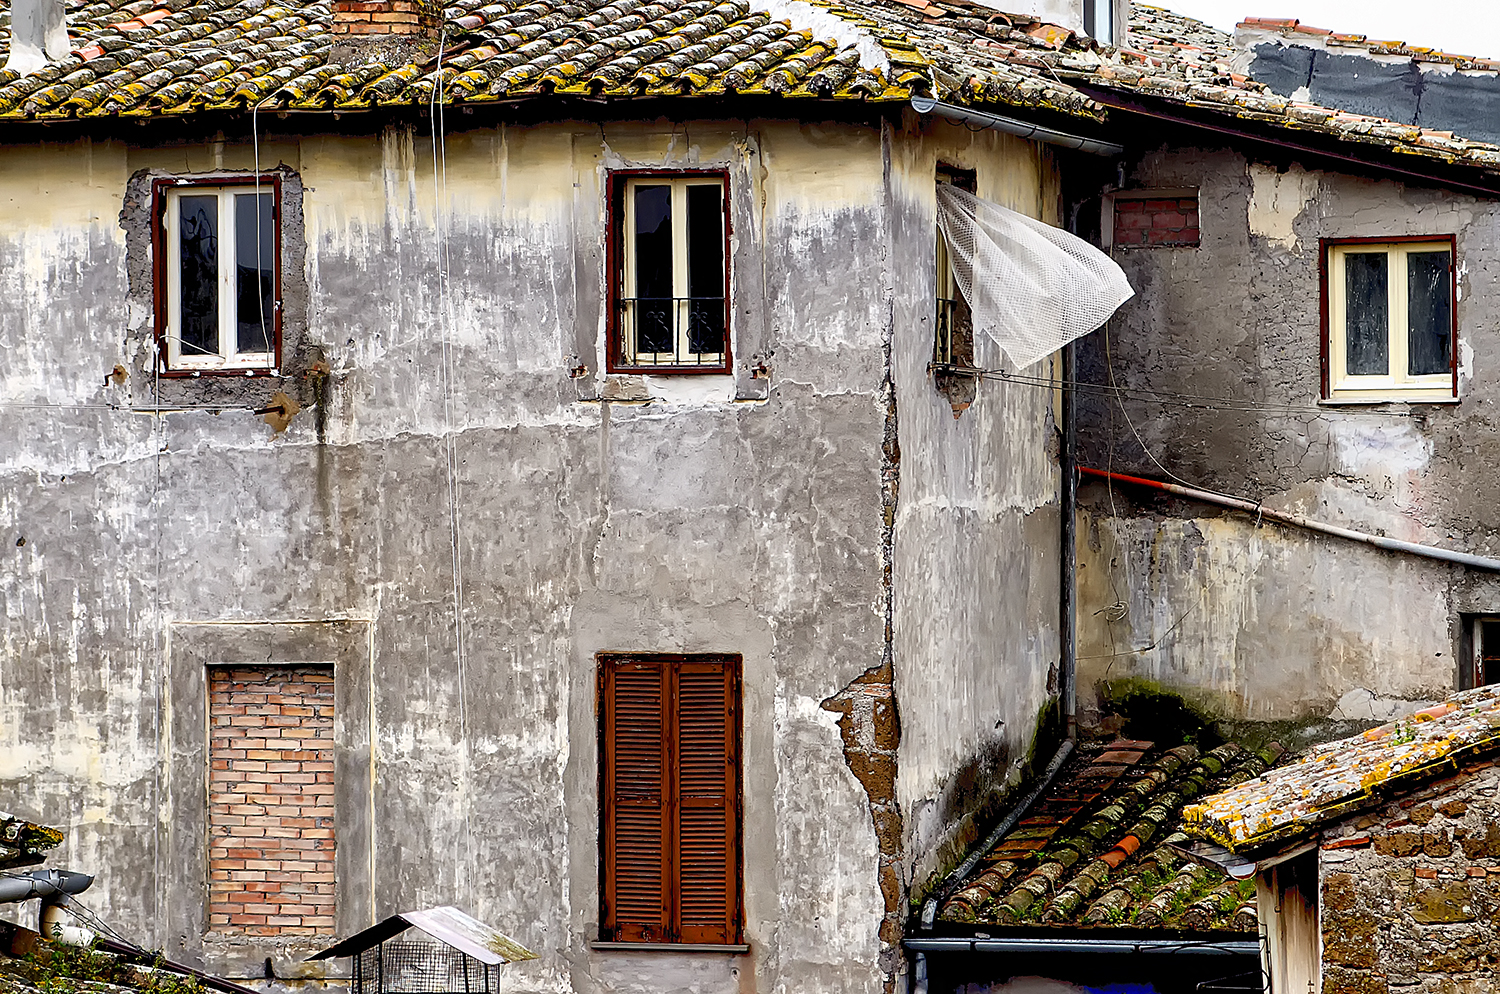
[(38, 34), (364, 30)]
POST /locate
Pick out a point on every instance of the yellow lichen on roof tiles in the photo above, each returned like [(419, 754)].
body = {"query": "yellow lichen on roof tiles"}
[(1335, 778)]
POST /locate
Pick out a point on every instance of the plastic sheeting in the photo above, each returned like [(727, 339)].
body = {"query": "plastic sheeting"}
[(1031, 287)]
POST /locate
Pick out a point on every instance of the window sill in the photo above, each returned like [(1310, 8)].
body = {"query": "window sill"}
[(668, 947), (1378, 401)]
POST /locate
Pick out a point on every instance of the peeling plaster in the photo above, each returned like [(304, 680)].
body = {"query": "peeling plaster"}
[(1277, 200)]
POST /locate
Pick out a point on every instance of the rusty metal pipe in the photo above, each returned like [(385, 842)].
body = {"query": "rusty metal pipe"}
[(1299, 521)]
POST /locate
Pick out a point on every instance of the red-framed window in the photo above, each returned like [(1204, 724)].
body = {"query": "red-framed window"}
[(669, 272), (669, 778), (1389, 319), (216, 251)]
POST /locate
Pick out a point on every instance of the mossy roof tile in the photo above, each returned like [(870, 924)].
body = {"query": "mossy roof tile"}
[(885, 50), (1333, 779), (1109, 861)]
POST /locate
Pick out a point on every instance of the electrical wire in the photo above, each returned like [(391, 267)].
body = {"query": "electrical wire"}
[(1203, 402), (437, 121)]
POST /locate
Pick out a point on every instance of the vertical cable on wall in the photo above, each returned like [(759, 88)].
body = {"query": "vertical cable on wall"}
[(437, 124)]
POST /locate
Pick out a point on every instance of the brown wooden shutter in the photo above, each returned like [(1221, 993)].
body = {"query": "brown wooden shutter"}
[(670, 791), (708, 801), (637, 822)]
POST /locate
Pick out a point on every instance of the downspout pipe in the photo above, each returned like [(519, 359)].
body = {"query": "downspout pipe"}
[(1298, 521), (46, 884), (930, 906), (1012, 126)]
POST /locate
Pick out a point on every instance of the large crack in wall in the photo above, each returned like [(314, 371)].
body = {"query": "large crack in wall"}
[(869, 722)]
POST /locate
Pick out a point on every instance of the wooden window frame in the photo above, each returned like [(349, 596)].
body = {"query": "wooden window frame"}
[(616, 230), (1397, 387), (162, 194), (671, 930)]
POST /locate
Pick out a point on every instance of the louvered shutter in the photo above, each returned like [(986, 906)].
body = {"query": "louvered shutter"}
[(637, 822), (708, 801)]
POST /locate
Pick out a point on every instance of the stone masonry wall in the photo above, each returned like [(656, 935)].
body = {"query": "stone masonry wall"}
[(1411, 892), (271, 800)]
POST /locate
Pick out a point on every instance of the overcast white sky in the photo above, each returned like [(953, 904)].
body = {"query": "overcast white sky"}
[(1467, 27)]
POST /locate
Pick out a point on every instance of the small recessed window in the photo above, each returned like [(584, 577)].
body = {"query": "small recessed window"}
[(671, 282), (954, 344), (1480, 651), (1391, 321), (218, 276)]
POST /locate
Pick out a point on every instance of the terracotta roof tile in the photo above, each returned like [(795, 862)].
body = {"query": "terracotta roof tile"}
[(1334, 779), (148, 57), (1109, 862)]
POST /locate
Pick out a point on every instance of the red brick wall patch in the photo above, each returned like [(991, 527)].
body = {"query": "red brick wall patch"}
[(270, 803), (1171, 222)]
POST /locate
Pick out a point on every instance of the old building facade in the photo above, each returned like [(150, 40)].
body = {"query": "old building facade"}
[(350, 574)]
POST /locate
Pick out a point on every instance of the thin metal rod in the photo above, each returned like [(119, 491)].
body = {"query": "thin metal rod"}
[(1298, 521), (1012, 126), (1068, 594), (930, 906)]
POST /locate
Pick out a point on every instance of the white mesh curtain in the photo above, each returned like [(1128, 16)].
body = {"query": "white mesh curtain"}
[(1031, 287)]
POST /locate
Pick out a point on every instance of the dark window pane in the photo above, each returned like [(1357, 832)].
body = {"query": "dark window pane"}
[(1429, 313), (255, 275), (705, 207), (653, 269), (1366, 311), (198, 246)]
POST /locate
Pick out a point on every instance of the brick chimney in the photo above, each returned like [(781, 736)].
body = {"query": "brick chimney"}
[(365, 30), (39, 34)]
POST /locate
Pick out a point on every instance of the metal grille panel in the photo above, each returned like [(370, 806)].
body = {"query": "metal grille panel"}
[(409, 967)]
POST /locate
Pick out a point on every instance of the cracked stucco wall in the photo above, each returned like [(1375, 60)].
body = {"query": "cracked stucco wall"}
[(976, 537), (1270, 623), (725, 513), (695, 522)]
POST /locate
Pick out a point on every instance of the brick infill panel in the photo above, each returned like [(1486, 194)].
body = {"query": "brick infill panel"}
[(270, 804), (1165, 223)]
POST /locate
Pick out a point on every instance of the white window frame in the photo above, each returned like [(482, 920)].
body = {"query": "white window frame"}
[(230, 359), (665, 361), (1397, 384)]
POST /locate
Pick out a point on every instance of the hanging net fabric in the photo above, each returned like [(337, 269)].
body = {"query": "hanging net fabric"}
[(1031, 287)]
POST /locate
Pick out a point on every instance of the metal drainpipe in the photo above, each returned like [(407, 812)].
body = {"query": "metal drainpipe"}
[(1297, 520), (1068, 499), (1012, 126), (930, 906), (1067, 609)]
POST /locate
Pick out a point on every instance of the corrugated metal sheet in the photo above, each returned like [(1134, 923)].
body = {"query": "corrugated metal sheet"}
[(447, 925)]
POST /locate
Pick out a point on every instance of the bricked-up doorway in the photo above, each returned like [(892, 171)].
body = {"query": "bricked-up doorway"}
[(271, 800)]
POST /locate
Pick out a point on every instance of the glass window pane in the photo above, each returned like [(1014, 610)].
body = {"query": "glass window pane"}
[(1429, 313), (255, 273), (653, 269), (1366, 313), (705, 220), (198, 300)]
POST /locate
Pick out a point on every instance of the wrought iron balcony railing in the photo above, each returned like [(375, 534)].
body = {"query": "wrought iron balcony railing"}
[(672, 331)]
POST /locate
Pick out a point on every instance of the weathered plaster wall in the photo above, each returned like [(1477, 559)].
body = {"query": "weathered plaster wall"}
[(1218, 355), (458, 468), (976, 569), (1410, 891)]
